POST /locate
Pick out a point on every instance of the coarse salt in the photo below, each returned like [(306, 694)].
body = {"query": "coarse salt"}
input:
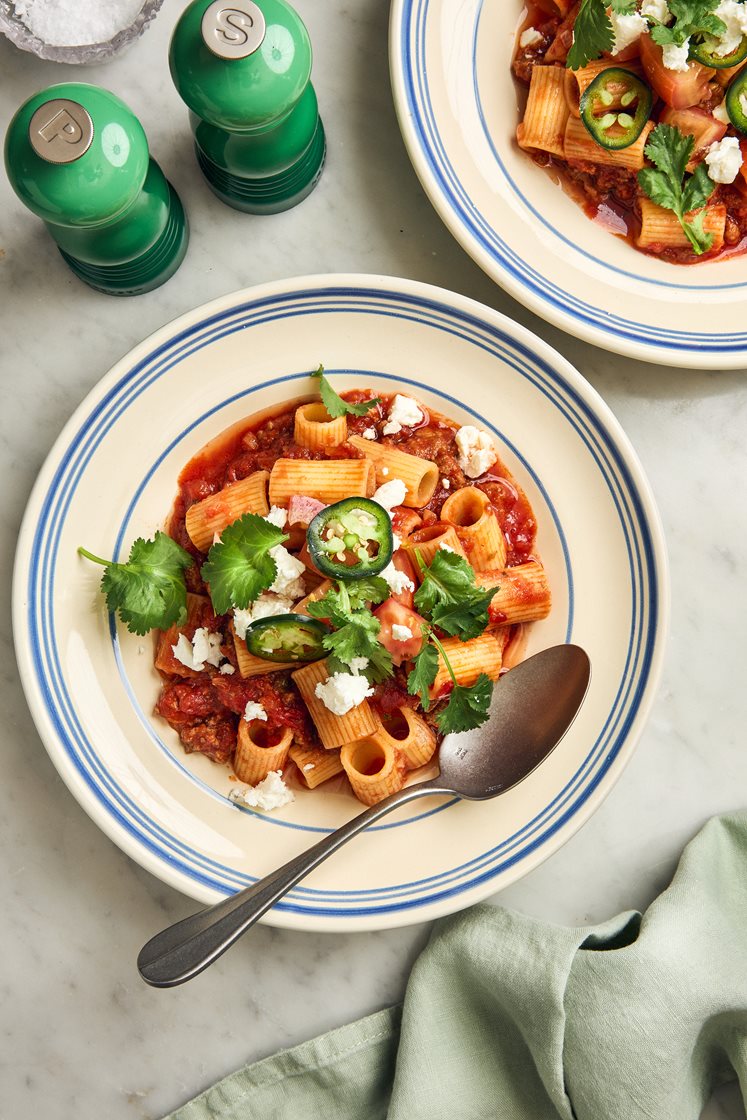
[(77, 23)]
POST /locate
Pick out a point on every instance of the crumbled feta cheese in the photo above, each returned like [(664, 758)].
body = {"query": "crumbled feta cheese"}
[(358, 665), (656, 9), (369, 433), (385, 471), (401, 633), (270, 793), (446, 484), (309, 766), (263, 607), (720, 113), (277, 517), (674, 57), (396, 542), (204, 647), (403, 413), (724, 159), (734, 17), (227, 669), (627, 30), (342, 691), (253, 710), (391, 494), (444, 547), (288, 581), (530, 37), (476, 451), (397, 581)]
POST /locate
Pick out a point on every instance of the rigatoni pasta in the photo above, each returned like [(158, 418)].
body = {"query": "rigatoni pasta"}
[(212, 515)]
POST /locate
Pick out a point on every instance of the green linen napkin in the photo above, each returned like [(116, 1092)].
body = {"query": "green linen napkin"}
[(508, 1017)]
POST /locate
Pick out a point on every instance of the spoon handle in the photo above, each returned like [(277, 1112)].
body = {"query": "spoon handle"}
[(183, 950)]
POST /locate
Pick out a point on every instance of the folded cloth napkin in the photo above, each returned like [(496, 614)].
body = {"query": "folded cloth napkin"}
[(508, 1017)]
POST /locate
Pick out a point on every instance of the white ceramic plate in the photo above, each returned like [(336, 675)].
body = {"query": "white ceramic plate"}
[(458, 108), (112, 477)]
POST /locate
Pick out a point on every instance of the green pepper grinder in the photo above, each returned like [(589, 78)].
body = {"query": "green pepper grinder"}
[(243, 69), (78, 158)]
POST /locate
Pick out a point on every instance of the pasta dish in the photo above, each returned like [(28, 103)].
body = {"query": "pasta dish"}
[(639, 107), (340, 584)]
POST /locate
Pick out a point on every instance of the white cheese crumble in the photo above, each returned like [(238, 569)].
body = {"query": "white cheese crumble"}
[(270, 793), (227, 669), (444, 547), (288, 581), (446, 484), (734, 16), (674, 57), (369, 433), (724, 159), (476, 451), (253, 710), (397, 581), (204, 647), (391, 494), (656, 9), (277, 517), (720, 113), (401, 633), (385, 471), (342, 691), (530, 37), (358, 665), (310, 766), (403, 413), (264, 607), (627, 30)]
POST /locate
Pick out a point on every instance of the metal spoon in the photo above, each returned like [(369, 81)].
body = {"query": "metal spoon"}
[(533, 707)]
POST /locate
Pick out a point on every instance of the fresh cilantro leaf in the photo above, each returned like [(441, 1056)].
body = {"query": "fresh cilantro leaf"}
[(149, 590), (370, 589), (334, 403), (423, 673), (666, 184), (357, 636), (624, 7), (449, 594), (691, 17), (467, 707), (239, 567), (592, 34)]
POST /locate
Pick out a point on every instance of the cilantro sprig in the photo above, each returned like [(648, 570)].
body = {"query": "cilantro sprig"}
[(356, 630), (449, 594), (668, 185), (149, 591), (239, 567), (691, 18), (592, 30), (334, 403)]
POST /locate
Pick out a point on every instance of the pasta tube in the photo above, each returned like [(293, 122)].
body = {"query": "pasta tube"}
[(428, 541), (660, 228), (260, 749), (547, 113), (316, 429), (468, 660), (407, 732), (333, 730), (420, 476), (579, 144), (327, 480), (523, 594), (210, 516), (315, 765), (375, 769), (477, 527)]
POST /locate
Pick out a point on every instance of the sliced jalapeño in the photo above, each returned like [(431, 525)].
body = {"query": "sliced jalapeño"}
[(705, 53), (287, 638), (615, 108), (736, 102), (351, 539)]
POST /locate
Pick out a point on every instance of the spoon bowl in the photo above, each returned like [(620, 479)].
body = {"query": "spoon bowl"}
[(532, 708)]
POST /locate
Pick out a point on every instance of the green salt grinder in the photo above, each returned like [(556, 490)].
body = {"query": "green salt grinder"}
[(78, 158), (243, 70)]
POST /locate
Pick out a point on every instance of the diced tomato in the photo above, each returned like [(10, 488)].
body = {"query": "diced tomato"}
[(403, 563), (699, 124), (679, 88), (391, 613)]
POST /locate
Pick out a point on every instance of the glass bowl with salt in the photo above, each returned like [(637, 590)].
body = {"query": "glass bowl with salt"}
[(75, 31)]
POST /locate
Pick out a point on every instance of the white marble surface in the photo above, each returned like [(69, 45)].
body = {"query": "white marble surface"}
[(82, 1036)]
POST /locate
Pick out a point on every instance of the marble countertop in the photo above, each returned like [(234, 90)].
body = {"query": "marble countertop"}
[(82, 1034)]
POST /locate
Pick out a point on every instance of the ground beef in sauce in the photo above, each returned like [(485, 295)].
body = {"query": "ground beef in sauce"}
[(205, 708)]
